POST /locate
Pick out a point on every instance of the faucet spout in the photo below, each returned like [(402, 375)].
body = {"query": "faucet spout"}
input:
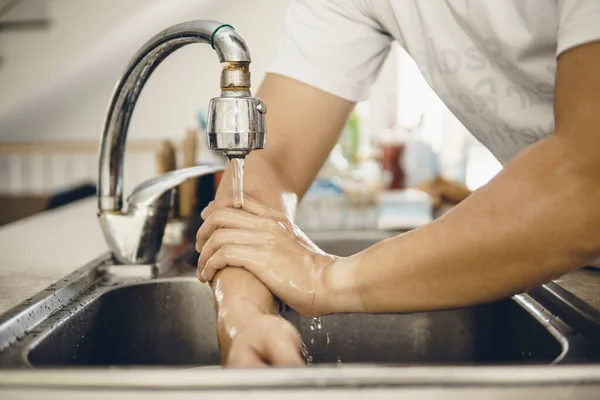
[(232, 53), (235, 126)]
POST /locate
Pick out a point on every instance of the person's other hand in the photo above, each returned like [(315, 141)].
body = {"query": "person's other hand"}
[(268, 340), (267, 244)]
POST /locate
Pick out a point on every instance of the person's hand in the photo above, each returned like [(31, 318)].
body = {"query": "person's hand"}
[(267, 244), (268, 340)]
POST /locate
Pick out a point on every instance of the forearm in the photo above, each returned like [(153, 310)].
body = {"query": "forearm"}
[(536, 220)]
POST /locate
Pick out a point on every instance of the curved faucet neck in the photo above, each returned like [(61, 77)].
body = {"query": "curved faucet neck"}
[(235, 81)]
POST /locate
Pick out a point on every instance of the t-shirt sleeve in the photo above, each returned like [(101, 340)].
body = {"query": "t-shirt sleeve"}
[(333, 45), (578, 23)]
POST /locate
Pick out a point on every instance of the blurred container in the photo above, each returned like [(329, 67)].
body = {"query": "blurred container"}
[(391, 161), (419, 162), (350, 139), (364, 182), (392, 143)]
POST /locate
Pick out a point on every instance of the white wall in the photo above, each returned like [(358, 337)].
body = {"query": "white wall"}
[(57, 86)]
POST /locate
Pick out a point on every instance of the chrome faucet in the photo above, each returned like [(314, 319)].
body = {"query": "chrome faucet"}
[(236, 126)]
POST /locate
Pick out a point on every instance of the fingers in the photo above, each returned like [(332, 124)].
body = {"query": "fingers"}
[(284, 351), (228, 218), (276, 343), (269, 352), (244, 355), (250, 258), (224, 237)]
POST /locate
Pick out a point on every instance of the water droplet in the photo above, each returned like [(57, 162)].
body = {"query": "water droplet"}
[(312, 340), (316, 323), (339, 360), (328, 339)]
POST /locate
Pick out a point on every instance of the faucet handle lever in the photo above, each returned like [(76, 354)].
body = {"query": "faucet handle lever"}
[(147, 193)]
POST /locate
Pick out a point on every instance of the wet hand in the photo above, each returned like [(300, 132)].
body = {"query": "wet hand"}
[(266, 243), (269, 341)]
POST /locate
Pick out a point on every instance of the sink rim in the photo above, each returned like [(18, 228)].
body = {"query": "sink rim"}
[(364, 375)]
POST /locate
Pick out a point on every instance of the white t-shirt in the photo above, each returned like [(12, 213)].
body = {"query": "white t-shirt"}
[(492, 62)]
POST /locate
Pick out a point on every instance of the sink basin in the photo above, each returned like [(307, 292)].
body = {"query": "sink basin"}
[(113, 318), (496, 333), (171, 322)]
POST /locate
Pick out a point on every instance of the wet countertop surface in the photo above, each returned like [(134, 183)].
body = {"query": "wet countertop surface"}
[(38, 251)]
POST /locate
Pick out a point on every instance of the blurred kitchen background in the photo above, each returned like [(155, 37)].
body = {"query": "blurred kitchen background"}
[(59, 61)]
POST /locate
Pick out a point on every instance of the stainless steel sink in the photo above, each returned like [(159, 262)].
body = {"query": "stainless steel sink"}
[(114, 315), (171, 322)]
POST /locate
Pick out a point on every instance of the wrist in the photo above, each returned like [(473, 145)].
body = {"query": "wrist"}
[(337, 290), (236, 313), (233, 317), (240, 297)]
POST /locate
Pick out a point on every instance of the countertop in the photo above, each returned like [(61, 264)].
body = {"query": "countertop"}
[(39, 250)]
